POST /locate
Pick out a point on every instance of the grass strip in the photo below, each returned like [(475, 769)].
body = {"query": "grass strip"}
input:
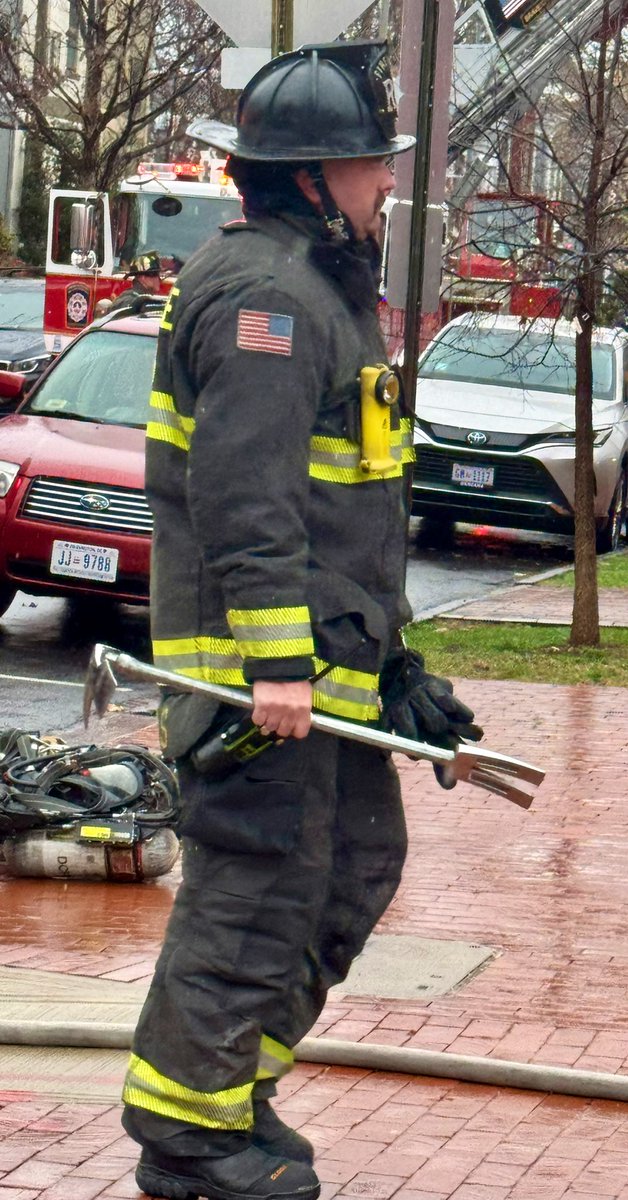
[(532, 653), (612, 572)]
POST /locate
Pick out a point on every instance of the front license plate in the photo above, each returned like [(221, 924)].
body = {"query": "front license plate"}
[(84, 562), (477, 477)]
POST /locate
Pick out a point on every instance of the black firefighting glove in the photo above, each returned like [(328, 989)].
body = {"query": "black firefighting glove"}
[(423, 707)]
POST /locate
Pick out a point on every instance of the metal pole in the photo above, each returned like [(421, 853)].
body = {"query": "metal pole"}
[(282, 26), (384, 14), (420, 195)]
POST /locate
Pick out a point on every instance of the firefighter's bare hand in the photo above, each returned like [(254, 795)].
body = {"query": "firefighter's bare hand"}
[(283, 708)]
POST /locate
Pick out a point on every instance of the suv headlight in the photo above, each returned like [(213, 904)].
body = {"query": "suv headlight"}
[(31, 364), (567, 437), (8, 471)]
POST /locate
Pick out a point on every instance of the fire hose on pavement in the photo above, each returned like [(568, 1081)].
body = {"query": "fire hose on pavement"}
[(492, 1072)]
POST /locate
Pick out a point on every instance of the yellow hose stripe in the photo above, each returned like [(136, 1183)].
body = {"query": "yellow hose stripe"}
[(145, 1087)]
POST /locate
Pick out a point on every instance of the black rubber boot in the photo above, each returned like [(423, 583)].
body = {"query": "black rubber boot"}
[(249, 1175), (272, 1134)]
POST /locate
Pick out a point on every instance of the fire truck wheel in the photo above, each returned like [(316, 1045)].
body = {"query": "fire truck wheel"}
[(608, 538), (7, 596)]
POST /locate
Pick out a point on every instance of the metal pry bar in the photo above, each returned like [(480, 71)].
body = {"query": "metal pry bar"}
[(496, 773)]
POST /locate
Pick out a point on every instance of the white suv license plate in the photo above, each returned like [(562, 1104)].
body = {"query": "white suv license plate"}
[(84, 561), (477, 477)]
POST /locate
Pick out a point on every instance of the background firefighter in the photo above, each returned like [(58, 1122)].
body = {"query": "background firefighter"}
[(276, 555), (145, 273)]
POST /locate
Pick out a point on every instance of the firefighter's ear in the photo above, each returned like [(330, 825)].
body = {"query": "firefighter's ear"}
[(304, 181)]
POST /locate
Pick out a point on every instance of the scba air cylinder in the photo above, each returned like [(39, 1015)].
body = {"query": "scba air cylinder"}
[(58, 854)]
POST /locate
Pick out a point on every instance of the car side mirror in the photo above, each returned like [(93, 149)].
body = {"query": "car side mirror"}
[(12, 390)]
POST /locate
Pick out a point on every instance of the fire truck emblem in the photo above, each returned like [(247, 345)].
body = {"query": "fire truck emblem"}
[(77, 305)]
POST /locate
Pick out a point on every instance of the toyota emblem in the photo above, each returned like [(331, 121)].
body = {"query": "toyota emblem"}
[(477, 438), (94, 501)]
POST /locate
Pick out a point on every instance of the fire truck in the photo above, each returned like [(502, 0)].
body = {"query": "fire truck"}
[(93, 237), (505, 258)]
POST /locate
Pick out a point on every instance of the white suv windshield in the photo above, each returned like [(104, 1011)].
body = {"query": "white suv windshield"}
[(105, 376), (508, 358)]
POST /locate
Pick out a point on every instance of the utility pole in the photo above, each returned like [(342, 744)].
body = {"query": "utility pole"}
[(282, 27), (420, 195)]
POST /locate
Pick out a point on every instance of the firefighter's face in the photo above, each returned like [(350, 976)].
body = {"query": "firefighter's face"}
[(359, 187), (151, 283)]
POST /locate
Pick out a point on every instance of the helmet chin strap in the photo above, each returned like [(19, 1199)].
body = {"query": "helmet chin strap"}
[(337, 223)]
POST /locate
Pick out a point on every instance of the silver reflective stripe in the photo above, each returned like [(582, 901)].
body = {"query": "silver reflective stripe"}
[(272, 633), (274, 1060)]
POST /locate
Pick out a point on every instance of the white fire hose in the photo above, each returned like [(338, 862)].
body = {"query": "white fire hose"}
[(493, 1072)]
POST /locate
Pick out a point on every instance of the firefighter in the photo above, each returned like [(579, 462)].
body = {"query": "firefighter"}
[(278, 564), (145, 271)]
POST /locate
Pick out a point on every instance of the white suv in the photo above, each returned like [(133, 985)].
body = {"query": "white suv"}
[(495, 426)]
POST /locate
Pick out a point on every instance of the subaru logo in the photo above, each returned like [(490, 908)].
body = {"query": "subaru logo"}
[(94, 501), (477, 438)]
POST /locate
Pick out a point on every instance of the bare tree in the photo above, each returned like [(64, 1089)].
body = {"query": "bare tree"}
[(96, 103), (576, 133)]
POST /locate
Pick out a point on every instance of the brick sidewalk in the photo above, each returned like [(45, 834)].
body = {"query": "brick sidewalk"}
[(534, 604), (545, 888)]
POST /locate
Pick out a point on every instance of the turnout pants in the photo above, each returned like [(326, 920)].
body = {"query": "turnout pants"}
[(287, 866)]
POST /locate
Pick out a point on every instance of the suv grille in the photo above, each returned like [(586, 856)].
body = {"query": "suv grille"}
[(513, 476), (456, 433), (59, 502)]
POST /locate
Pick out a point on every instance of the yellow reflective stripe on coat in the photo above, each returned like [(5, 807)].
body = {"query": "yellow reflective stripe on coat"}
[(337, 460), (274, 1060), (272, 632), (341, 693), (166, 321), (345, 693), (144, 1087), (166, 424), (404, 436), (216, 660)]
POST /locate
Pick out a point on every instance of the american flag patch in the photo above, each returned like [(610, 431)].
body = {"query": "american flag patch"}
[(270, 332)]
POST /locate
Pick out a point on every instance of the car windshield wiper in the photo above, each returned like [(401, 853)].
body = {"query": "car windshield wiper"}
[(63, 413)]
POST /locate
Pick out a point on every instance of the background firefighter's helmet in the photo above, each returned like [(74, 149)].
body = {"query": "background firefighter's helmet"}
[(145, 264), (318, 102)]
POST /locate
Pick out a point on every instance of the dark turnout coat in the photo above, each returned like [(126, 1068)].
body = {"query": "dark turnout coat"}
[(274, 553)]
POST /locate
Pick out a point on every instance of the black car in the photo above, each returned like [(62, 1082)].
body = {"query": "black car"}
[(22, 343)]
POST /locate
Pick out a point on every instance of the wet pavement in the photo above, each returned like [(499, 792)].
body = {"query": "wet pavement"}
[(544, 888)]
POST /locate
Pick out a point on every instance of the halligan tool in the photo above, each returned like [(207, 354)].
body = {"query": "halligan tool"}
[(496, 773)]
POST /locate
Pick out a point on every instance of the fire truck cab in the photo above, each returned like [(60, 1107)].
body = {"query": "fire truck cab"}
[(93, 237), (502, 258)]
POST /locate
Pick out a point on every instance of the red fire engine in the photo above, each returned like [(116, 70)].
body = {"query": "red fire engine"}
[(504, 258), (167, 208)]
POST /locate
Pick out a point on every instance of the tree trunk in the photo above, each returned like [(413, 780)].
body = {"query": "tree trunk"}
[(585, 628)]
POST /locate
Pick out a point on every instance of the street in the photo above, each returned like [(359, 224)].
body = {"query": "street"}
[(46, 643)]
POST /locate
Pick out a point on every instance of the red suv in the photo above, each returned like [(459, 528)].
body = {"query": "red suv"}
[(73, 514)]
